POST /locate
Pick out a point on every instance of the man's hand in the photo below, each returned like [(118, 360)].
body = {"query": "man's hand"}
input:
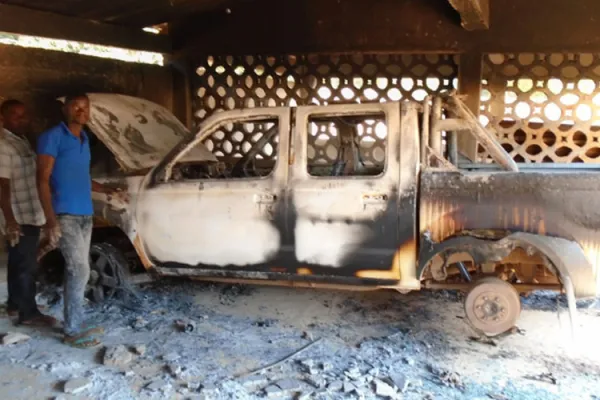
[(118, 198), (52, 232), (13, 233)]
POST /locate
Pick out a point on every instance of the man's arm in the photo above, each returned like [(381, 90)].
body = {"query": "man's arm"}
[(100, 188), (44, 171), (5, 202), (13, 230)]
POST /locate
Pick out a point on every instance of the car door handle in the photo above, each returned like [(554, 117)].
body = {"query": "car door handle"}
[(374, 198), (265, 198)]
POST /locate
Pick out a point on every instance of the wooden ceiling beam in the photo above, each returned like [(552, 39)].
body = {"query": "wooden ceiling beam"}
[(474, 14), (389, 26), (24, 21)]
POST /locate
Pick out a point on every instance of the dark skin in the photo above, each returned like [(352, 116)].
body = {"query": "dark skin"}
[(77, 115), (16, 120)]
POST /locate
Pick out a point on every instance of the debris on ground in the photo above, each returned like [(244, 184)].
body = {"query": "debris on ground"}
[(140, 349), (318, 382), (335, 386), (483, 340), (158, 384), (400, 381), (185, 325), (447, 378), (77, 385), (254, 381), (117, 356), (349, 387), (139, 323), (283, 360), (374, 346), (289, 385), (14, 338), (175, 370), (209, 389), (382, 389), (547, 377)]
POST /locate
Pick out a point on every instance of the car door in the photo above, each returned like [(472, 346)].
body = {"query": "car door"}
[(345, 219), (224, 222)]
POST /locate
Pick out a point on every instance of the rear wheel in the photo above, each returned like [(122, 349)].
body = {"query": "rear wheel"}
[(492, 306)]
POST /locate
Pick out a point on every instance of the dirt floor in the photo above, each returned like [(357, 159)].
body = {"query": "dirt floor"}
[(414, 346)]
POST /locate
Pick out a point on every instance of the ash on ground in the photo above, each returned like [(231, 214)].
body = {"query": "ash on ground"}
[(178, 340)]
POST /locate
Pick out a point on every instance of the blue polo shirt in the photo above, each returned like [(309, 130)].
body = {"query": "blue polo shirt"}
[(70, 182)]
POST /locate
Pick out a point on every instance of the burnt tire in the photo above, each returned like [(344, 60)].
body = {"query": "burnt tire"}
[(109, 272), (492, 306)]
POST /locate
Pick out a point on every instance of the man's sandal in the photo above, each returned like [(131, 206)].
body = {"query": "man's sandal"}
[(83, 340), (13, 312), (93, 329), (40, 321)]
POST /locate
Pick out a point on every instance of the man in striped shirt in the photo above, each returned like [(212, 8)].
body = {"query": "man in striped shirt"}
[(23, 213)]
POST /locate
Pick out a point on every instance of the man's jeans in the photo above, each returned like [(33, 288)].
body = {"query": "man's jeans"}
[(22, 265), (75, 247)]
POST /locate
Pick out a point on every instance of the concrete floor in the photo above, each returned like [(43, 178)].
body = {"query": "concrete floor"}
[(376, 335)]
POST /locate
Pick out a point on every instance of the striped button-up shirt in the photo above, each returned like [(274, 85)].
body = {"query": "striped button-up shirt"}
[(18, 163)]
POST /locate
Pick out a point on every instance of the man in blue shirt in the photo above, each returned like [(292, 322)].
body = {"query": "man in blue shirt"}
[(65, 190)]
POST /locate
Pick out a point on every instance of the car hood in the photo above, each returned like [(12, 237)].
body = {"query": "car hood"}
[(138, 132)]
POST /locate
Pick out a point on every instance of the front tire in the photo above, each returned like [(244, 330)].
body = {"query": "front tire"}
[(109, 272)]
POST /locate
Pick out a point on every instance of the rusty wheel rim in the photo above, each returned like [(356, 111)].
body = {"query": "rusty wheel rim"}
[(492, 306)]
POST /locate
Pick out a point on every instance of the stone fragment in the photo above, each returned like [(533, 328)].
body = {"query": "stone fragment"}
[(316, 381), (197, 396), (409, 361), (117, 356), (289, 384), (77, 385), (305, 396), (193, 385), (400, 381), (307, 363), (326, 366), (374, 371), (140, 349), (175, 370), (273, 391), (157, 385), (14, 337), (383, 389), (253, 381), (335, 386), (353, 373), (310, 366), (139, 323), (360, 393), (349, 387), (129, 373), (209, 388)]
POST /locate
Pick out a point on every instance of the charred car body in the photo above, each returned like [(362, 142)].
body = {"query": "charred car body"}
[(356, 196)]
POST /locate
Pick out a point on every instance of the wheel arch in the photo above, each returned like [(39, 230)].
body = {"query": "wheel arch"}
[(565, 257)]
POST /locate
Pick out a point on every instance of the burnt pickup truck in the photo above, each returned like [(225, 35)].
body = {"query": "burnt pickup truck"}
[(360, 197)]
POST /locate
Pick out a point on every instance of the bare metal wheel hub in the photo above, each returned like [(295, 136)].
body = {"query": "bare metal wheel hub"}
[(492, 306)]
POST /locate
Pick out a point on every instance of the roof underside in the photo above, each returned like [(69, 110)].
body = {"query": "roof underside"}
[(132, 13), (314, 26)]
